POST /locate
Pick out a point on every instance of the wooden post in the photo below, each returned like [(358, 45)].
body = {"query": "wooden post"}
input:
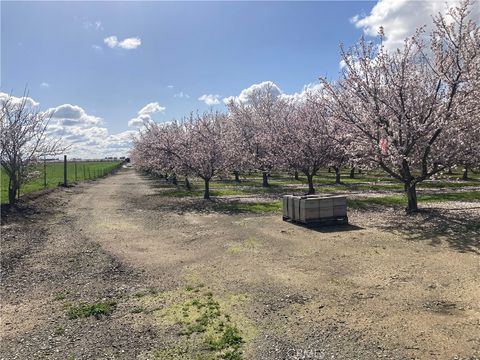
[(44, 171), (65, 180)]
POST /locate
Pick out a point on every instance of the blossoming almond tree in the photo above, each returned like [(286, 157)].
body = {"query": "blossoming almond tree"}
[(255, 121), (23, 140), (402, 108), (302, 138), (204, 150)]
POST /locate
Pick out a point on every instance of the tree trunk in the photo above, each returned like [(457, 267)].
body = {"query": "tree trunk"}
[(237, 177), (352, 172), (337, 175), (329, 170), (465, 173), (174, 180), (265, 179), (359, 171), (12, 191), (187, 184), (450, 172), (296, 175), (412, 198), (311, 189), (206, 195)]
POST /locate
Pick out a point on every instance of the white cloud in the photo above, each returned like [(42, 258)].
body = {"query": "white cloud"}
[(181, 95), (73, 115), (45, 84), (401, 18), (144, 116), (210, 99), (128, 43), (150, 108), (246, 94), (170, 86), (302, 96), (29, 102), (140, 120), (97, 47), (81, 132), (111, 41)]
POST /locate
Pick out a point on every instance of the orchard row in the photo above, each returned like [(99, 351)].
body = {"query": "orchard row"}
[(413, 112)]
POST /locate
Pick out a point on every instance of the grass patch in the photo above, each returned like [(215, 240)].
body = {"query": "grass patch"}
[(248, 244), (84, 310), (392, 200), (85, 170), (256, 208), (210, 327)]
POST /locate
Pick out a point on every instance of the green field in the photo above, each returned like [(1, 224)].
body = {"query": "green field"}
[(76, 171)]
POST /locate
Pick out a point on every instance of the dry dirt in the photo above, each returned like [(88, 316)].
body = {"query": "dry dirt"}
[(387, 286)]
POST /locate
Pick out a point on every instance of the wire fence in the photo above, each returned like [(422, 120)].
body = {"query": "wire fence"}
[(52, 173)]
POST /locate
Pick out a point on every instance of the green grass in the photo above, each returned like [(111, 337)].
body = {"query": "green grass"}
[(84, 310), (256, 208), (401, 200), (281, 183), (85, 170)]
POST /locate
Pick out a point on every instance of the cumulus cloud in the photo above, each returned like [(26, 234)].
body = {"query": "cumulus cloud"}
[(181, 95), (401, 18), (144, 115), (29, 102), (140, 120), (128, 43), (83, 133), (246, 94), (73, 115), (210, 99), (302, 96), (151, 108)]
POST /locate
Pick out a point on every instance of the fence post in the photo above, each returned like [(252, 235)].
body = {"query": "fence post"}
[(76, 177), (44, 171), (65, 181)]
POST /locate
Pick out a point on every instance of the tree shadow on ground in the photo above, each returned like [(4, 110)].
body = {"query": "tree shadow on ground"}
[(459, 228)]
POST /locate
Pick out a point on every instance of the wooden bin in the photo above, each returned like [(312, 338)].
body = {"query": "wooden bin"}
[(314, 209)]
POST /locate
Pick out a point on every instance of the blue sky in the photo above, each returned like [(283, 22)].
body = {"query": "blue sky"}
[(176, 52)]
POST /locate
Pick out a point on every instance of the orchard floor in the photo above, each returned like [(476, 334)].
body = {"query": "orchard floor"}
[(388, 286)]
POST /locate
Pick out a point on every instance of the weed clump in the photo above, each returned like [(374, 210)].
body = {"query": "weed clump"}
[(84, 310)]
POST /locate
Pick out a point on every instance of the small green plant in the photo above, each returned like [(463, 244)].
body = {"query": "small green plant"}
[(84, 310), (60, 296), (59, 331), (230, 338)]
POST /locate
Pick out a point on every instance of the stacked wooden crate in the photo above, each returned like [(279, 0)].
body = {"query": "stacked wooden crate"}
[(314, 209)]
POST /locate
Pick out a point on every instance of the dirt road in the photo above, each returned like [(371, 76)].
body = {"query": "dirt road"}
[(366, 291)]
